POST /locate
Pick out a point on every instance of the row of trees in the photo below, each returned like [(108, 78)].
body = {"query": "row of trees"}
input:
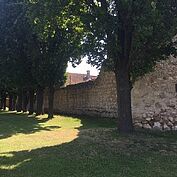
[(35, 49), (38, 38)]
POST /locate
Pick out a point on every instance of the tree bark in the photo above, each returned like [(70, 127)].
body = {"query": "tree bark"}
[(1, 103), (25, 101), (10, 102), (125, 123), (40, 98), (4, 103), (50, 101), (14, 102), (31, 102), (19, 101), (3, 100)]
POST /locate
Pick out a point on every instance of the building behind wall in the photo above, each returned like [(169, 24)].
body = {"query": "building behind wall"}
[(75, 78)]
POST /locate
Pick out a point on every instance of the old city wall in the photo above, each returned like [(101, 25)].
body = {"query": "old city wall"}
[(154, 97), (94, 98)]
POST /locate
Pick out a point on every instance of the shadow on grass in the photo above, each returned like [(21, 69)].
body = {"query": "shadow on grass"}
[(98, 151), (12, 123), (95, 153)]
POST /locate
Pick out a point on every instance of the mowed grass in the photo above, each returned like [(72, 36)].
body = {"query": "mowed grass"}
[(81, 147)]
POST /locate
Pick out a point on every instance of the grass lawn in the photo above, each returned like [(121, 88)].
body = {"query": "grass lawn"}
[(81, 147)]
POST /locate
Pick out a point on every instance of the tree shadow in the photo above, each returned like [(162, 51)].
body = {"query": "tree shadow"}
[(97, 152), (12, 123), (94, 122)]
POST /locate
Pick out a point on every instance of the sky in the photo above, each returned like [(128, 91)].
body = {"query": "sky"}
[(82, 68)]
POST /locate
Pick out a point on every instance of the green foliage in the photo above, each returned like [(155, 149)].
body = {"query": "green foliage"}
[(58, 44), (136, 32), (11, 46), (35, 43)]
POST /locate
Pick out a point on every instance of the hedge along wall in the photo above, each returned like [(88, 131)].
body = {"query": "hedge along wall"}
[(154, 97)]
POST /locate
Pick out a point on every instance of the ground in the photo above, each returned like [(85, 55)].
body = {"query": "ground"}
[(81, 147)]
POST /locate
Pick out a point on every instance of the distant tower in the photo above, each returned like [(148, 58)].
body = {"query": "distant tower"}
[(87, 77), (88, 74)]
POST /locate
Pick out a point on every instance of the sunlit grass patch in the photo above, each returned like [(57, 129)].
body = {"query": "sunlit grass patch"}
[(81, 147), (40, 132)]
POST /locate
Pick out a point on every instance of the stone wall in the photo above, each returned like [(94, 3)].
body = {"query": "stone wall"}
[(154, 97), (95, 98)]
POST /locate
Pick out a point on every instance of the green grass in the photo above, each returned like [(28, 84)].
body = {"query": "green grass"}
[(81, 147)]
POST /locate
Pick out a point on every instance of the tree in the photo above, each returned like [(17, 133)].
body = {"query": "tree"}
[(37, 48), (130, 36), (16, 33), (56, 45)]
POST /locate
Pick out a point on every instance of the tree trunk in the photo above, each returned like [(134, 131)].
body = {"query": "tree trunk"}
[(25, 101), (1, 104), (125, 123), (50, 101), (14, 102), (19, 101), (4, 103), (31, 102), (10, 102), (40, 97), (3, 100)]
